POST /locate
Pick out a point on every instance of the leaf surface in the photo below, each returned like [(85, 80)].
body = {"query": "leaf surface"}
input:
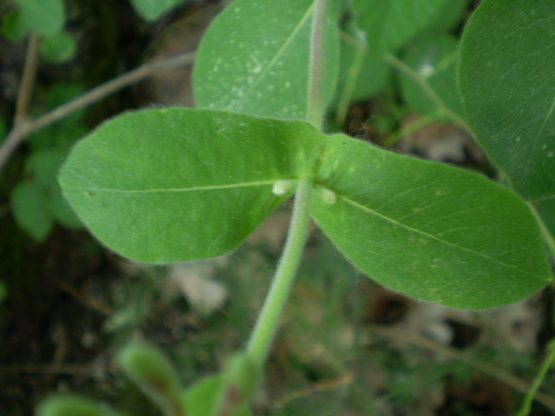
[(390, 24), (255, 59), (151, 10), (427, 230), (507, 81), (173, 185), (45, 17)]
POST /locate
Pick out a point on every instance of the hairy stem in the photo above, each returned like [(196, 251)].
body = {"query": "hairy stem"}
[(317, 70), (267, 323), (540, 376)]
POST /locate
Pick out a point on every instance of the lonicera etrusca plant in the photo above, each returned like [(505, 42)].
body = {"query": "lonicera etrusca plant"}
[(174, 185)]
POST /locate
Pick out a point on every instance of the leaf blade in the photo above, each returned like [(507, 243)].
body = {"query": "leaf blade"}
[(182, 184), (507, 83), (406, 228), (263, 72)]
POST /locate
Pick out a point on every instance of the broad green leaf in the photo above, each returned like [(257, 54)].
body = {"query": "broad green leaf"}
[(391, 24), (255, 59), (154, 374), (58, 48), (43, 167), (369, 78), (13, 27), (29, 207), (179, 184), (507, 84), (44, 17), (151, 10), (362, 72), (201, 399), (73, 406), (427, 230), (435, 59)]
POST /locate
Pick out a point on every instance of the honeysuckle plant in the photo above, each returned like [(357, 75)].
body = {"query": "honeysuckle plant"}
[(173, 185)]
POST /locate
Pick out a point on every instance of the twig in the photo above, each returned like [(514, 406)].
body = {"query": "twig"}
[(324, 386), (503, 376), (27, 81), (533, 392), (48, 369), (20, 131)]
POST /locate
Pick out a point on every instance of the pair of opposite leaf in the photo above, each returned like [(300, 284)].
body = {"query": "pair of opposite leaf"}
[(174, 185)]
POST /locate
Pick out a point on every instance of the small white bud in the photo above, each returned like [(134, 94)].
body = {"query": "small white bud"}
[(328, 196), (282, 187)]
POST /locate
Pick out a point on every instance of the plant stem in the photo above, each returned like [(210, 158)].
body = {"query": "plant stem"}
[(21, 130), (429, 91), (266, 325), (413, 127), (547, 236), (27, 80), (317, 69), (531, 395), (359, 45)]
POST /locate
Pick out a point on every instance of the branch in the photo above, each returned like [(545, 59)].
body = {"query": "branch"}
[(20, 131)]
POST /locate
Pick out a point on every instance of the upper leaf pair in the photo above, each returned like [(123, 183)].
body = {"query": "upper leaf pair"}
[(177, 184)]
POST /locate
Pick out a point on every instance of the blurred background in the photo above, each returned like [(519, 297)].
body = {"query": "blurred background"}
[(346, 345)]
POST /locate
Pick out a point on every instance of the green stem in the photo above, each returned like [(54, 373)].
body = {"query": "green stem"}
[(359, 45), (429, 91), (317, 70), (413, 127), (530, 396), (547, 236), (266, 326)]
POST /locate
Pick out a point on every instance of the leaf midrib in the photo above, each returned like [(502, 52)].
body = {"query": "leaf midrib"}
[(305, 17), (176, 190), (431, 236)]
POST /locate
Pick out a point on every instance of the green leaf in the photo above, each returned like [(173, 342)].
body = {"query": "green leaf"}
[(179, 184), (255, 59), (154, 374), (507, 82), (44, 17), (151, 10), (427, 230), (58, 48), (28, 204), (391, 24), (14, 27), (72, 406), (435, 59), (362, 73), (202, 398)]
